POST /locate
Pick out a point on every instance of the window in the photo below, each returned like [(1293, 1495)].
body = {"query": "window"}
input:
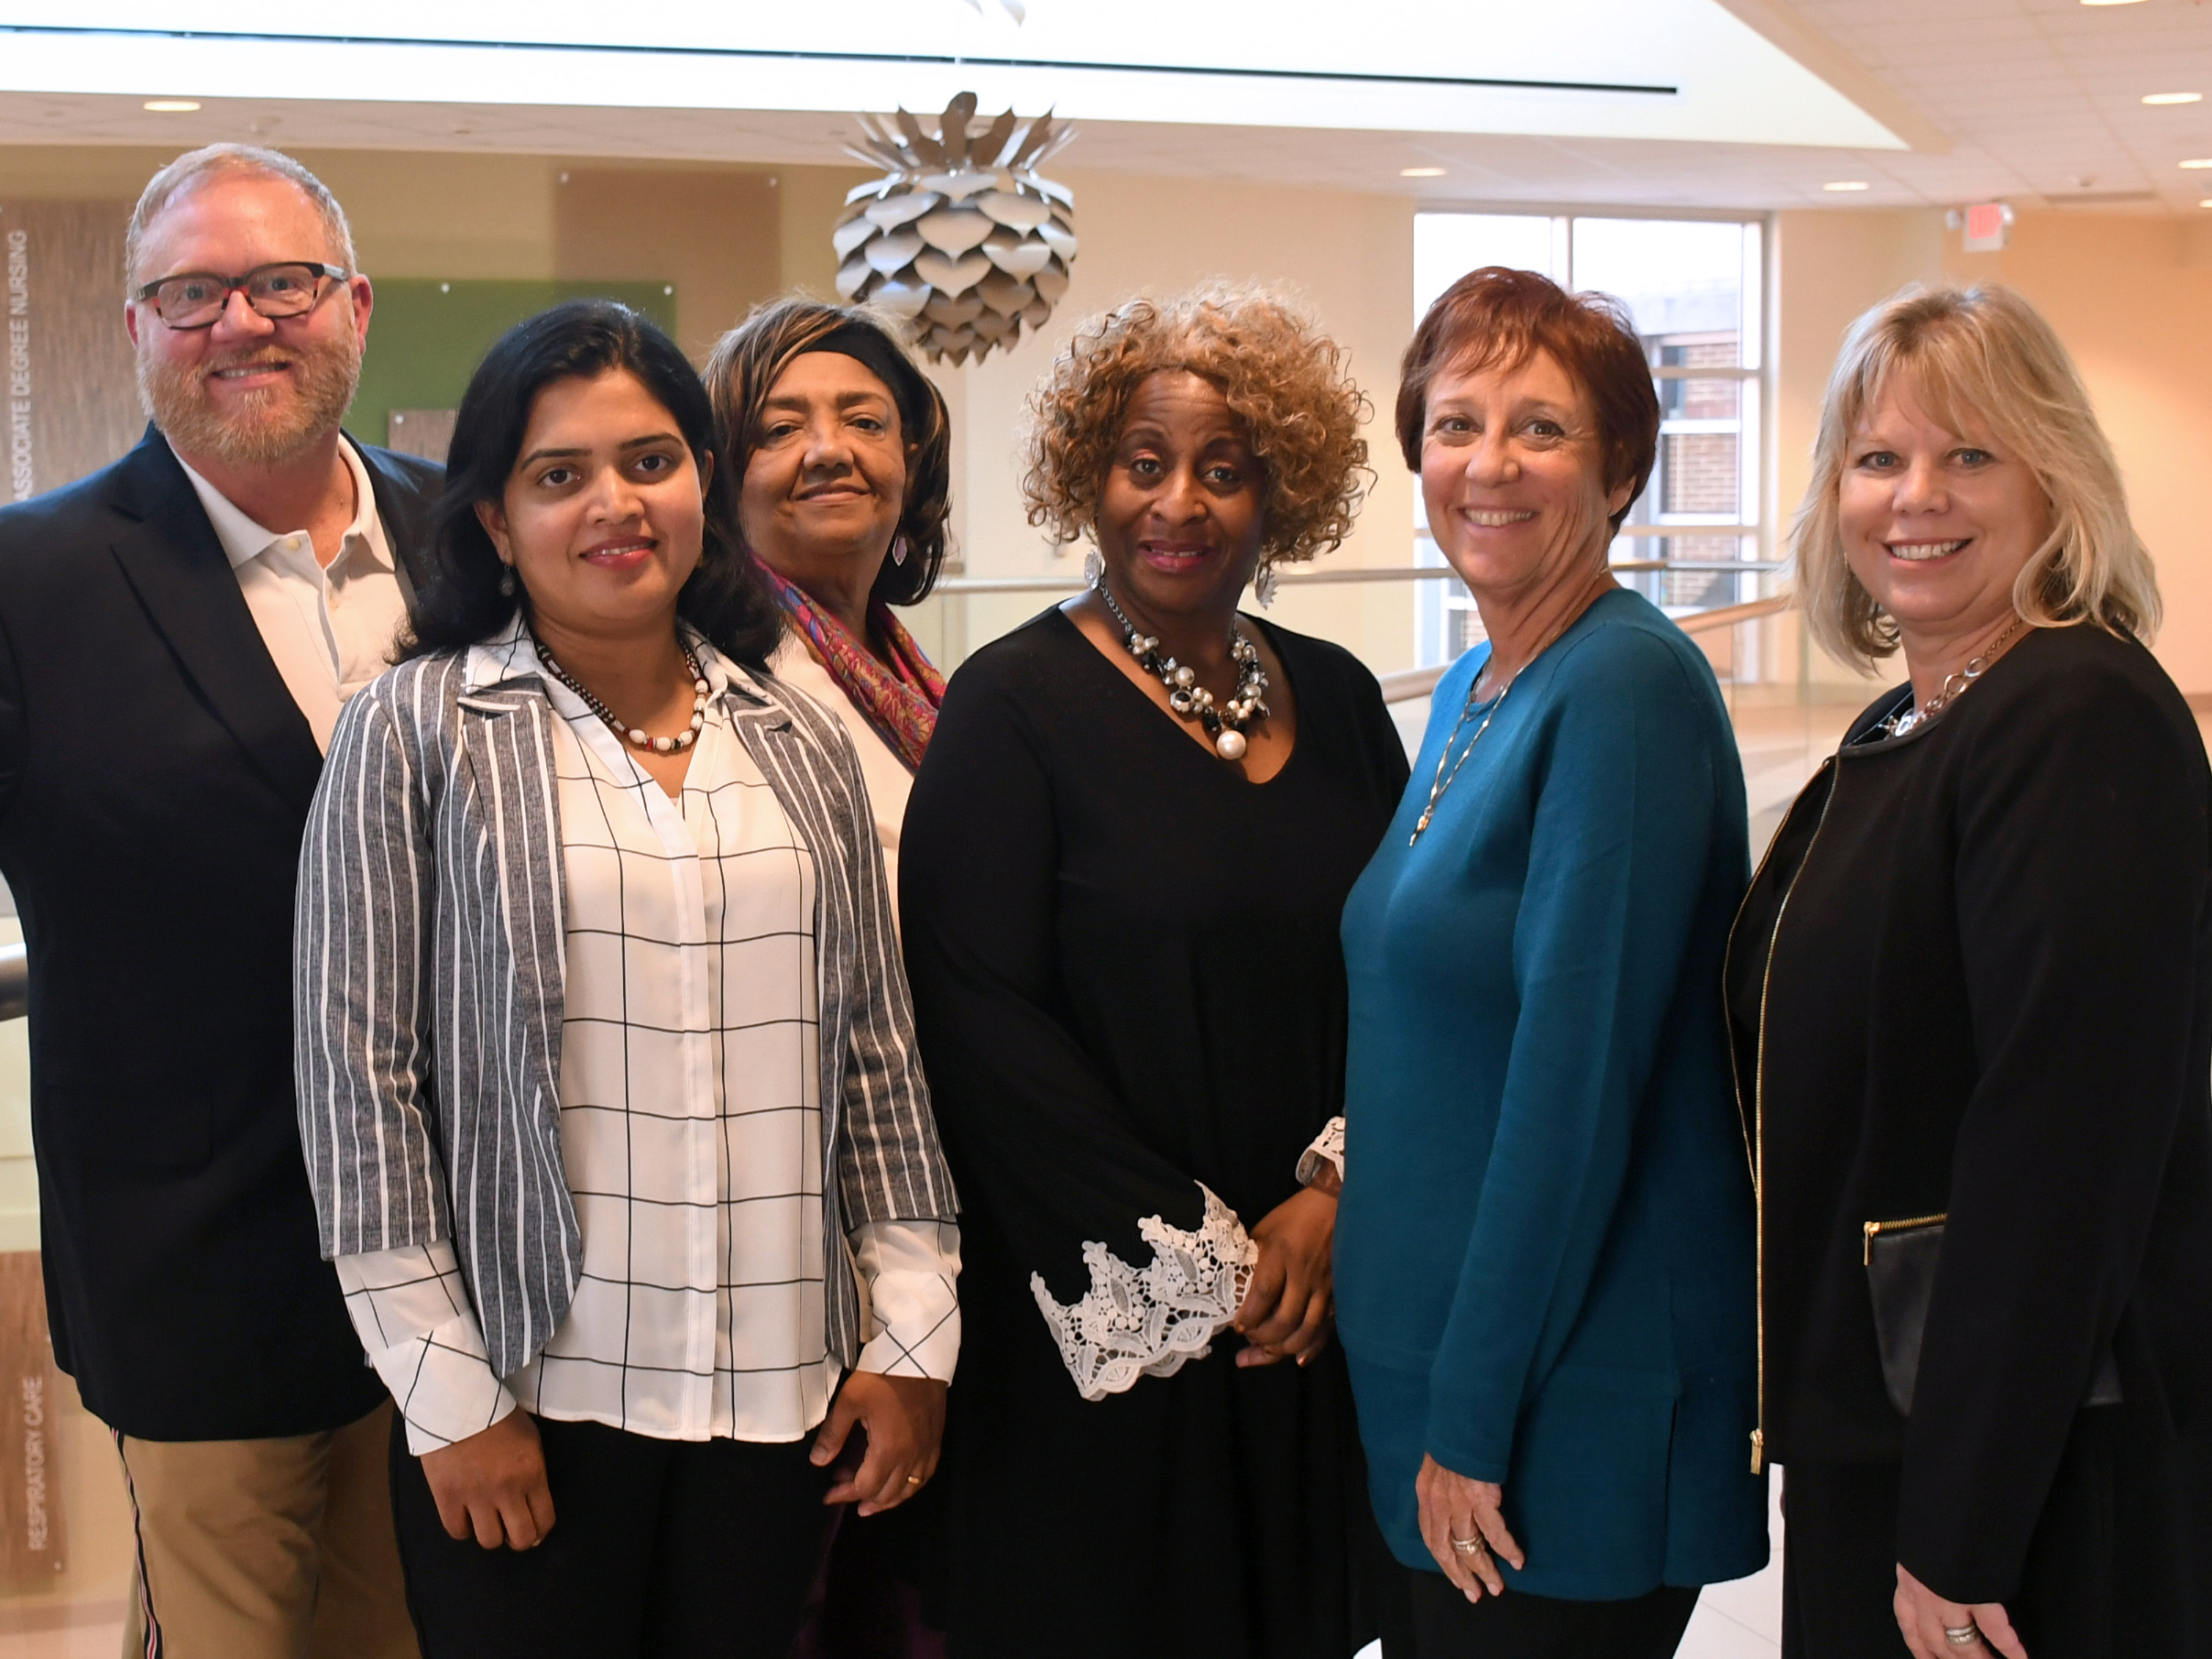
[(1694, 540)]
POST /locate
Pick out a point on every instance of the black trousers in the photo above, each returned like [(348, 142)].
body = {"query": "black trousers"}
[(2120, 1565), (660, 1549), (1434, 1620)]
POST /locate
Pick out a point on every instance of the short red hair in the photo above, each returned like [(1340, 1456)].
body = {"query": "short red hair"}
[(1503, 317)]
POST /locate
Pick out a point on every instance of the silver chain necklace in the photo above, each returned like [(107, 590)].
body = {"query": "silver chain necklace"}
[(635, 735), (1953, 686), (1223, 722), (1443, 779), (1443, 782)]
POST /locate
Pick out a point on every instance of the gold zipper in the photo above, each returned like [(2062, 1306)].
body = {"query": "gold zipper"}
[(1874, 1229), (1757, 1130), (1736, 1076)]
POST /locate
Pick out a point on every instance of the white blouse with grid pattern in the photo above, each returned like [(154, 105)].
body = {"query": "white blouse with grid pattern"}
[(690, 1135)]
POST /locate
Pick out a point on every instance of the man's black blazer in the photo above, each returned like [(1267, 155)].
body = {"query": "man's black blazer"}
[(154, 781)]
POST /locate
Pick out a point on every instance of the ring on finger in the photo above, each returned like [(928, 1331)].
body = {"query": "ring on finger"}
[(1963, 1635), (1471, 1546)]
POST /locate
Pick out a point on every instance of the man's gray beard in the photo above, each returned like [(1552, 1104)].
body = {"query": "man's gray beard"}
[(271, 428)]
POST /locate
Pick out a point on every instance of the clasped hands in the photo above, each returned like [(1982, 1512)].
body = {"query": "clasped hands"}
[(492, 1487), (1289, 1306)]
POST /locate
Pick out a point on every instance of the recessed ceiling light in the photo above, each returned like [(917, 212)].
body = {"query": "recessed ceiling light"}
[(2108, 2), (2174, 97), (1420, 172), (1846, 184), (2199, 163), (2206, 202), (171, 106)]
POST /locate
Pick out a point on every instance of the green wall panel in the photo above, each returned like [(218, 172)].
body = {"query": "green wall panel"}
[(426, 337)]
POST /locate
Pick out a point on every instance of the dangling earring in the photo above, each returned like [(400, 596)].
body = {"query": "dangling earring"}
[(1262, 585), (1094, 568), (506, 582), (898, 550)]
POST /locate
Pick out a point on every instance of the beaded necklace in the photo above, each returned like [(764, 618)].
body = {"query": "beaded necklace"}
[(635, 735), (1223, 722)]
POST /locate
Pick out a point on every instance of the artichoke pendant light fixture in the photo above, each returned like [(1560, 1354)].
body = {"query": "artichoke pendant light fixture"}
[(961, 237)]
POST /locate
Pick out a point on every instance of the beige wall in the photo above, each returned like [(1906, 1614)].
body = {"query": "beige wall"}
[(1825, 268), (1348, 256), (2138, 318), (718, 232), (715, 234)]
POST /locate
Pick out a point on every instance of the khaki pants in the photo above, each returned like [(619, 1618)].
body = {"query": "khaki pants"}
[(266, 1549)]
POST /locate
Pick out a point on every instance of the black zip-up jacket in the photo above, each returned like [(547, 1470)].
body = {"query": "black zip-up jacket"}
[(1988, 997)]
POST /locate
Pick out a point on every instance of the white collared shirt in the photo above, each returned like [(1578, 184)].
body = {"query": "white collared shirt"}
[(691, 1133), (329, 630)]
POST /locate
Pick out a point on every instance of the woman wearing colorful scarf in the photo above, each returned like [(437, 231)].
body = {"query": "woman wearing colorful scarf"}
[(839, 451)]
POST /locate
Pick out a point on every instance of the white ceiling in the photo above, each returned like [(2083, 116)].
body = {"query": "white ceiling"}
[(2030, 100), (1629, 69), (2042, 98)]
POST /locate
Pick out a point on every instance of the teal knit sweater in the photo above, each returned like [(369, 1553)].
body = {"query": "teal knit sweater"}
[(1544, 1269)]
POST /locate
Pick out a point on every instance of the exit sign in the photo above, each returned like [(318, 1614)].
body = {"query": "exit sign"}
[(1987, 225)]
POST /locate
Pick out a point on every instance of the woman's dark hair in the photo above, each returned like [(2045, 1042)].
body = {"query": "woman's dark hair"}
[(726, 598), (743, 369)]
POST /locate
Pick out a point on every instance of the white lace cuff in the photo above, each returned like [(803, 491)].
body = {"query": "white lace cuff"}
[(1145, 1322), (1327, 1146)]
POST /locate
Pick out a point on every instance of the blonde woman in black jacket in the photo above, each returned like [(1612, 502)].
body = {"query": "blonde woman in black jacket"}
[(1971, 994)]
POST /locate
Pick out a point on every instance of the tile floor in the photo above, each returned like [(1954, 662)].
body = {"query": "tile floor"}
[(96, 1641)]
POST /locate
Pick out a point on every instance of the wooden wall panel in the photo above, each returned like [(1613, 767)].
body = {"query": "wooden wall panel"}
[(33, 1540), (67, 385)]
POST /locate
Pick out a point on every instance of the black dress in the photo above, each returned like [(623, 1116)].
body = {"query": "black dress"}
[(1127, 982), (1973, 979)]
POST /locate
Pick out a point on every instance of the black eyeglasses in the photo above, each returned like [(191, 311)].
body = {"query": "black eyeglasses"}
[(197, 299)]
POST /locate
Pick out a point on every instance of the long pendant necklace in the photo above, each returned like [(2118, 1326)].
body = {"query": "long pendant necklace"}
[(1223, 722), (1443, 779), (635, 735), (1953, 686)]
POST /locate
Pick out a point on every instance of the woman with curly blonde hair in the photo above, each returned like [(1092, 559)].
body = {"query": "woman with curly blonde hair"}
[(1125, 855)]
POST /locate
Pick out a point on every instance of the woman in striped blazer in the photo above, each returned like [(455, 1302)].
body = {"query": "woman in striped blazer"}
[(605, 1064)]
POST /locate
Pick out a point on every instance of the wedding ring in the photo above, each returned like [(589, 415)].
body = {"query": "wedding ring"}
[(1469, 1546), (1966, 1635), (913, 1481)]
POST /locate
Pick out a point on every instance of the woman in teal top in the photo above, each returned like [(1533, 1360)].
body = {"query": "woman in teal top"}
[(1544, 1258)]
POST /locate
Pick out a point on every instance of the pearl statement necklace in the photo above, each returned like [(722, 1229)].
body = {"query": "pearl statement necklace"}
[(1223, 722), (635, 735)]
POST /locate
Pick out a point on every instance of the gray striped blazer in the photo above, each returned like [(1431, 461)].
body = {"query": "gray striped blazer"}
[(429, 974)]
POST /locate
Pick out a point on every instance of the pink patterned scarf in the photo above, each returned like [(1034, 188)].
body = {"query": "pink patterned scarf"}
[(900, 698)]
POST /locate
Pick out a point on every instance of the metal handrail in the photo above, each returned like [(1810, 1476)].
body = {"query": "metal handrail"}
[(1073, 582), (1403, 687), (1409, 685)]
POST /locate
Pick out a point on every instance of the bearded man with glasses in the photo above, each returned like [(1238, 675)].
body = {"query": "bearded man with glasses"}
[(178, 633)]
